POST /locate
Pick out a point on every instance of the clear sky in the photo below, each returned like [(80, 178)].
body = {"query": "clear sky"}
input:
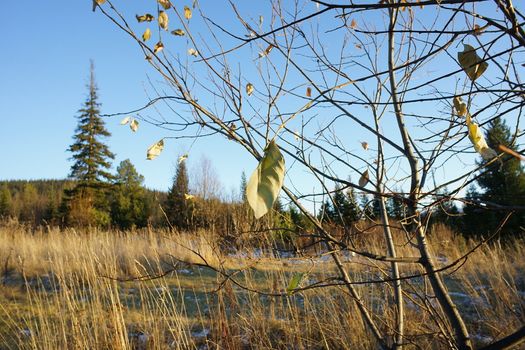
[(45, 69)]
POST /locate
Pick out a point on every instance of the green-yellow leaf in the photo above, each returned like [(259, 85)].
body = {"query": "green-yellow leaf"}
[(187, 12), (134, 125), (165, 3), (145, 18), (471, 63), (460, 106), (125, 121), (163, 20), (155, 149), (363, 180), (266, 181), (249, 89), (146, 35), (178, 32), (158, 47), (193, 52), (294, 282), (478, 140)]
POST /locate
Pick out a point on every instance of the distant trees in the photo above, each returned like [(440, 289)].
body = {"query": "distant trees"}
[(129, 204), (86, 203)]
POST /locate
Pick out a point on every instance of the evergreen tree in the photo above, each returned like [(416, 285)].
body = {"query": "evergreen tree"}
[(180, 209), (502, 182), (129, 207), (87, 203)]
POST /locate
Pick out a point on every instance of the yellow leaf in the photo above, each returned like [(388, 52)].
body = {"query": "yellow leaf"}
[(158, 47), (165, 3), (363, 180), (100, 2), (146, 35), (193, 52), (125, 121), (188, 197), (460, 106), (183, 158), (163, 20), (478, 140), (155, 149), (134, 125), (178, 32), (364, 144), (249, 89), (308, 92), (402, 8), (145, 18), (267, 51), (261, 20), (471, 63), (266, 181), (187, 12)]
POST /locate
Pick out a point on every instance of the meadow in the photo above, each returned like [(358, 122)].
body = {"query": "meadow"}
[(66, 289)]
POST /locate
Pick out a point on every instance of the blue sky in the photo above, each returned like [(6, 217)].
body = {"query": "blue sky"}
[(45, 70)]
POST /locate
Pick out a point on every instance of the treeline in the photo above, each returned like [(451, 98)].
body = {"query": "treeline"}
[(42, 202)]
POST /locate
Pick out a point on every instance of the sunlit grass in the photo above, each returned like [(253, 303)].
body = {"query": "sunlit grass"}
[(61, 291)]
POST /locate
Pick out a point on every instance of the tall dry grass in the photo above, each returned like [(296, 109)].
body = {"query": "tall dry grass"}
[(59, 292)]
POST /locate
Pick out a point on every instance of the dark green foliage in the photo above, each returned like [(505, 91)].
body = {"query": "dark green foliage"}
[(343, 211), (91, 156), (501, 183), (87, 204), (129, 207), (179, 209), (244, 183)]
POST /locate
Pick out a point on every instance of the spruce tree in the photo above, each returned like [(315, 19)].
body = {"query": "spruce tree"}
[(501, 183), (179, 208), (87, 203), (129, 207)]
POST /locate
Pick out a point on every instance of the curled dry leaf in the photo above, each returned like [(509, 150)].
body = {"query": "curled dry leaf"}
[(165, 3), (134, 125), (460, 106), (266, 181), (163, 20), (187, 13), (125, 121), (478, 140), (155, 149), (308, 92), (145, 18), (193, 52), (353, 24), (364, 144), (178, 32), (249, 89), (158, 47), (146, 35), (471, 63), (363, 180), (267, 51)]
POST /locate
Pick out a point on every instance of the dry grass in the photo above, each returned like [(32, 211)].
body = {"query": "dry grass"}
[(55, 296)]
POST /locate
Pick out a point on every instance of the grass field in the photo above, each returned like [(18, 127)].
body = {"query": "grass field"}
[(72, 290)]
